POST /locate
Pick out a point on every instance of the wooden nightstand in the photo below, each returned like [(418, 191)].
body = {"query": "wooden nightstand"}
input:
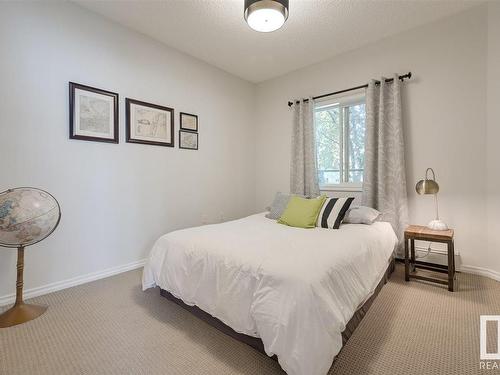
[(417, 232)]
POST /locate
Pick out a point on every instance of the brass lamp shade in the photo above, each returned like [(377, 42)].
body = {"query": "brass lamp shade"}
[(427, 186)]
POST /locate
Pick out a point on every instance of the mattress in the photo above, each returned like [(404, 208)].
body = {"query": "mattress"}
[(294, 288)]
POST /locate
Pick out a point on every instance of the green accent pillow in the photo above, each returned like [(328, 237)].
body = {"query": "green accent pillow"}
[(302, 212)]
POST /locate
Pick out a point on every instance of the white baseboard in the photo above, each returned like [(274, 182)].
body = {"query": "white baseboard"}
[(59, 285), (480, 271)]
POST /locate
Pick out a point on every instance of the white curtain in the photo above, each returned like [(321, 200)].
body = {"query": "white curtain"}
[(384, 180), (303, 169)]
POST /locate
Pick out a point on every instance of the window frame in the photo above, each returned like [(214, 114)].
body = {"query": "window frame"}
[(343, 102)]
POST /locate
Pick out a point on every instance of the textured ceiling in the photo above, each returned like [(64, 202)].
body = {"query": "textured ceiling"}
[(215, 31)]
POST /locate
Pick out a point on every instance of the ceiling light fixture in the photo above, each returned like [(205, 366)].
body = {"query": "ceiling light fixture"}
[(266, 15)]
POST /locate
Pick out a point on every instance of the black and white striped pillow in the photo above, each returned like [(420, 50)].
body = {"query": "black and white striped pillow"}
[(333, 211)]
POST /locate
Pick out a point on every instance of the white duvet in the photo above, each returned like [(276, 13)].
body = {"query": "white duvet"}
[(294, 288)]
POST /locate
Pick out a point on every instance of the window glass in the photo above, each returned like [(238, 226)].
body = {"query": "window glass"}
[(340, 141), (328, 144), (356, 142)]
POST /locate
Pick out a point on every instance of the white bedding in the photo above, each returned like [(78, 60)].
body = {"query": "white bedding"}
[(294, 288)]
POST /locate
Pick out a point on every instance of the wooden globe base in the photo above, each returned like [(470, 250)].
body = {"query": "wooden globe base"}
[(21, 313)]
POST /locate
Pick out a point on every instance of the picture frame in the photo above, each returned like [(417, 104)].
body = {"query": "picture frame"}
[(149, 124), (188, 140), (93, 114), (188, 121)]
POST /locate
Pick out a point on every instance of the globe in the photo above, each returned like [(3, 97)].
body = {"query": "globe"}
[(27, 216)]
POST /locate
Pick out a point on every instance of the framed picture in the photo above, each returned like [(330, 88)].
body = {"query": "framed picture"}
[(189, 122), (149, 124), (188, 140), (93, 114)]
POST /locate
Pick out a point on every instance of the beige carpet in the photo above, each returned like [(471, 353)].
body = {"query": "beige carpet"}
[(112, 327)]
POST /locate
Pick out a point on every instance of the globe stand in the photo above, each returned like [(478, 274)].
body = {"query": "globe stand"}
[(21, 312)]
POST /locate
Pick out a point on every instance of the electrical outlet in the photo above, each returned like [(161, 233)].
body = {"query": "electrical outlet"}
[(204, 219)]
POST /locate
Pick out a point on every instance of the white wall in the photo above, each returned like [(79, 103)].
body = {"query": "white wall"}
[(116, 199), (444, 117), (493, 134)]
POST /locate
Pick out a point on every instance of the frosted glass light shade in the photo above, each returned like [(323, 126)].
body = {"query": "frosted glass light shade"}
[(265, 20), (266, 15)]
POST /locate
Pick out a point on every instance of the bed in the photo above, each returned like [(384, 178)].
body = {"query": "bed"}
[(295, 290)]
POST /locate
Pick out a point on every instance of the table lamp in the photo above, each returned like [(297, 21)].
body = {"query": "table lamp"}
[(430, 186)]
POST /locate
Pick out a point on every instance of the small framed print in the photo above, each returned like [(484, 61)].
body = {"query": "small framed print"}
[(149, 124), (93, 114), (188, 140), (189, 122)]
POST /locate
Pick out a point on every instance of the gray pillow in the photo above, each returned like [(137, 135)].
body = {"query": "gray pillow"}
[(279, 204), (361, 215)]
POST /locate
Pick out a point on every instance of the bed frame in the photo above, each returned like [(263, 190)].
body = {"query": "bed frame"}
[(256, 342)]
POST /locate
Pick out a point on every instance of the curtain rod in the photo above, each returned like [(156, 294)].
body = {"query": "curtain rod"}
[(402, 78)]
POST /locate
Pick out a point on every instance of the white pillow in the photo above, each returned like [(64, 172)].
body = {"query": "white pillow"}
[(361, 215)]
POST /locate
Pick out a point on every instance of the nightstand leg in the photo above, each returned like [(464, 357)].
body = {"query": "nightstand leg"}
[(407, 261), (412, 252), (451, 265)]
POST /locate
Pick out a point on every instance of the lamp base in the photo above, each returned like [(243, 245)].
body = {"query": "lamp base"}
[(437, 225), (21, 313)]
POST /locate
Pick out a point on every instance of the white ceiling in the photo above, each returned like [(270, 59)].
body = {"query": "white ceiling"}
[(215, 31)]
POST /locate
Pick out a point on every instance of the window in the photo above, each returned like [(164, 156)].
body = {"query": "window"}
[(340, 142)]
